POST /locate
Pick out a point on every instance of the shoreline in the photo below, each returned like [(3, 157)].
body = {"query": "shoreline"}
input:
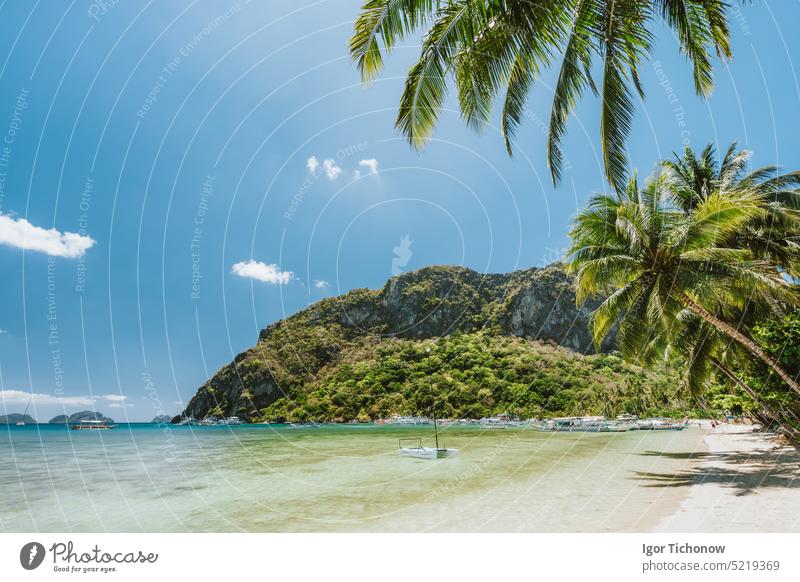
[(743, 483)]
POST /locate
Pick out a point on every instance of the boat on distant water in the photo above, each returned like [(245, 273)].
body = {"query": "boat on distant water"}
[(188, 421), (503, 420), (231, 420), (585, 424), (92, 425), (429, 453), (396, 419), (25, 414)]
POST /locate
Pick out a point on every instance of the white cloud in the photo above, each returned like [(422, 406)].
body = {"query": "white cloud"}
[(262, 272), (120, 405), (2, 331), (371, 164), (320, 284), (114, 397), (19, 233), (22, 397), (331, 169), (312, 164)]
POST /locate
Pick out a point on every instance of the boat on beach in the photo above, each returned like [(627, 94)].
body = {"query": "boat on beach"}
[(584, 424), (661, 424), (654, 423)]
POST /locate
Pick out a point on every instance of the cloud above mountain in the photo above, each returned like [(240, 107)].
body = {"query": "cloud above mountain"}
[(21, 234), (262, 272)]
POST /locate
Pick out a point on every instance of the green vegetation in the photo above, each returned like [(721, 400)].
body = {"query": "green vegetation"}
[(475, 375), (695, 267), (493, 47)]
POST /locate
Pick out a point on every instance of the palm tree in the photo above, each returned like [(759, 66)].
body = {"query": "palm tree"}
[(775, 236), (657, 261), (494, 46)]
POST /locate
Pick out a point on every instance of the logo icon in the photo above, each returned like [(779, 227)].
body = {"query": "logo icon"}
[(402, 255), (31, 555)]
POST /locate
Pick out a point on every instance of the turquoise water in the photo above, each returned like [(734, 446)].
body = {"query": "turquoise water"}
[(143, 477)]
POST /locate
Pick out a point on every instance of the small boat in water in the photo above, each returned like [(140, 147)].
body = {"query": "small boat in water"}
[(92, 425), (420, 452), (25, 414)]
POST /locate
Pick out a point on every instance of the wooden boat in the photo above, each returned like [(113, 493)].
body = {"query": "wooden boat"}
[(92, 425)]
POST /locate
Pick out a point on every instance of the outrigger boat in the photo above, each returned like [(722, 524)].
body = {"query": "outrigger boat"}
[(504, 420), (420, 452), (652, 423), (584, 424), (92, 425)]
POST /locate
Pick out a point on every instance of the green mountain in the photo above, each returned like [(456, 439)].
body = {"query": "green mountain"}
[(498, 342), (79, 416), (14, 418)]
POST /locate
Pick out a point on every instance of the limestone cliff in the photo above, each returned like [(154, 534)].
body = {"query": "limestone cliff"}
[(428, 303)]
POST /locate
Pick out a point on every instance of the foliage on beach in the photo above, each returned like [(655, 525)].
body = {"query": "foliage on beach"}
[(494, 47), (476, 375), (696, 264)]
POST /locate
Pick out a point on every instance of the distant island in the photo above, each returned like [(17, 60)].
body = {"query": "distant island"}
[(162, 419), (80, 416), (16, 417)]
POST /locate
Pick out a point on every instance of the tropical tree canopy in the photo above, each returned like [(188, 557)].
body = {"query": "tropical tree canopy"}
[(491, 47), (662, 261)]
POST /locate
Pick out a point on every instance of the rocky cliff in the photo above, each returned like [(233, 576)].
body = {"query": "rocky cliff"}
[(428, 303), (79, 416)]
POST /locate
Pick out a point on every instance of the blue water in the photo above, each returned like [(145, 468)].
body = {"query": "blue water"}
[(145, 477)]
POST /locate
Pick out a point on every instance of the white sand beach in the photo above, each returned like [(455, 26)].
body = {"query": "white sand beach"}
[(745, 482)]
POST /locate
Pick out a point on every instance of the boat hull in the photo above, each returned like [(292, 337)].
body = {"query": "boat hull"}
[(428, 453)]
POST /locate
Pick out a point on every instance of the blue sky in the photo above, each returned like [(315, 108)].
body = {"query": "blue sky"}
[(177, 137)]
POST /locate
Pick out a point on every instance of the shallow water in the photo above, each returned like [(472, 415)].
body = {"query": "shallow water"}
[(143, 477)]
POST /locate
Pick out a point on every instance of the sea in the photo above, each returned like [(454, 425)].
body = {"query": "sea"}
[(278, 478)]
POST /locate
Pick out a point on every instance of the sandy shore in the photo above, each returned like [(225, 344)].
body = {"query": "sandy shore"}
[(743, 483)]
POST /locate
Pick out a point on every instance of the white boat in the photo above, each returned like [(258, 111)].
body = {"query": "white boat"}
[(500, 421), (585, 424), (429, 453), (661, 424), (420, 452), (408, 420), (188, 421), (92, 425), (231, 420), (22, 422)]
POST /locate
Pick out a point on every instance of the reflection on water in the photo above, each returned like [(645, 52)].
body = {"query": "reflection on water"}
[(144, 477)]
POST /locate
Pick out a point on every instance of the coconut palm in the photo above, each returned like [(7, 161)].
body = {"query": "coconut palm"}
[(657, 261), (501, 46), (775, 237)]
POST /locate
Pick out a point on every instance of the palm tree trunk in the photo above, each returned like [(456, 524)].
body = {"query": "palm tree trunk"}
[(735, 334), (768, 411)]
